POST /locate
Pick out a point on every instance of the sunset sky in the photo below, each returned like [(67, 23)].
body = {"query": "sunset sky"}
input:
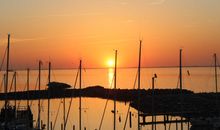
[(65, 31)]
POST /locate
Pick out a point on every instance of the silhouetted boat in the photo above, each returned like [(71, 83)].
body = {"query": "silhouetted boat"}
[(57, 86), (17, 118), (11, 117)]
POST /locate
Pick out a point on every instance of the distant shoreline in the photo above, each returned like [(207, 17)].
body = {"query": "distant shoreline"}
[(120, 68)]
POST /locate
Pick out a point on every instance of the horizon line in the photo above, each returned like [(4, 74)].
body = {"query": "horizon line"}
[(131, 67)]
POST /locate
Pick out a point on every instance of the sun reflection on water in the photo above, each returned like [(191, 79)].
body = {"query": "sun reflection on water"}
[(110, 77)]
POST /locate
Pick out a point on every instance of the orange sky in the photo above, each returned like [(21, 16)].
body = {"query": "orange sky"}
[(66, 31)]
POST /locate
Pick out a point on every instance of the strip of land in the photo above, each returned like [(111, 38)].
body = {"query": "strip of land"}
[(166, 101)]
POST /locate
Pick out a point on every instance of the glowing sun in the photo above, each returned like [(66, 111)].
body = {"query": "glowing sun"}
[(110, 63)]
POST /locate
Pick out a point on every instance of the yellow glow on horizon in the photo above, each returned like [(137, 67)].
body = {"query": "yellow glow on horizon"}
[(110, 63)]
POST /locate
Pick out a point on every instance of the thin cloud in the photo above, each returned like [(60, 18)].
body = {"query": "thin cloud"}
[(158, 2), (69, 15), (124, 3), (78, 14), (27, 39)]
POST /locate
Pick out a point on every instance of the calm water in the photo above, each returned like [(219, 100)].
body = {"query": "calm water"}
[(197, 79)]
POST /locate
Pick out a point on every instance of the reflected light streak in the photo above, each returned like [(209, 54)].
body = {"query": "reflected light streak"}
[(110, 77)]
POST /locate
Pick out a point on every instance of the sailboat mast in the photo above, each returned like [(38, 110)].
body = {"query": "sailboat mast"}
[(115, 78), (48, 90), (6, 79), (7, 70), (15, 90), (39, 84), (15, 83), (139, 84), (80, 100), (28, 84), (216, 82), (15, 87), (181, 88), (216, 74), (64, 111), (180, 71)]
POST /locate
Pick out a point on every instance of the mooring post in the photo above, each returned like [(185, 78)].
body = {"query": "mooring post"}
[(51, 126), (143, 118), (188, 125), (165, 126), (130, 120), (41, 123), (61, 126), (153, 112), (176, 125)]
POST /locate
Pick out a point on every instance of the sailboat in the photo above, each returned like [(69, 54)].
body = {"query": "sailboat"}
[(11, 117)]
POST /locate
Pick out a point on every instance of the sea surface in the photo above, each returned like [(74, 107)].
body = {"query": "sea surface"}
[(197, 79)]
